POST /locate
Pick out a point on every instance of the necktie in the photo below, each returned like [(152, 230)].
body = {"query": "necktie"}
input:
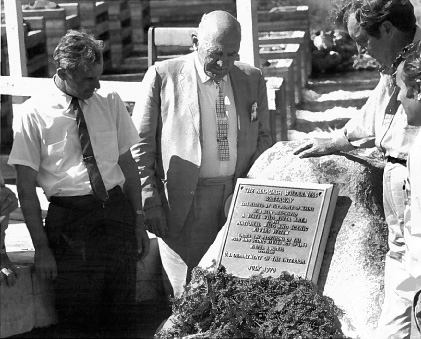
[(98, 187), (222, 125)]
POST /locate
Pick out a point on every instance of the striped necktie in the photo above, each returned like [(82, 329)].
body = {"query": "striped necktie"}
[(97, 184), (222, 125)]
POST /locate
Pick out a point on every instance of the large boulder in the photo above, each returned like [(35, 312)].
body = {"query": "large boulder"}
[(352, 269)]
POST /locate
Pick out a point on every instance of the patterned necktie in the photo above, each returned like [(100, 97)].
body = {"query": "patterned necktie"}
[(222, 125), (98, 187)]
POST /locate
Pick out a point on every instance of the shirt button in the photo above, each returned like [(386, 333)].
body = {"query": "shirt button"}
[(192, 192)]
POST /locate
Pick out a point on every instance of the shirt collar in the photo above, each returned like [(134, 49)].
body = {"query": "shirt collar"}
[(64, 99), (201, 72)]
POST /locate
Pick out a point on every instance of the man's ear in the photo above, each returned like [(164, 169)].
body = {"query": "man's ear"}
[(388, 29), (195, 41), (61, 72)]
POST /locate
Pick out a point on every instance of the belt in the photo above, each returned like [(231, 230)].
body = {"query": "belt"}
[(215, 180), (71, 201), (396, 160)]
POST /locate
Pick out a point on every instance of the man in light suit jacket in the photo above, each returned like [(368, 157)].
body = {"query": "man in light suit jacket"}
[(192, 152)]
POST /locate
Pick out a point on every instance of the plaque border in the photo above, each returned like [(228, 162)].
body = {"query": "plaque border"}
[(325, 217)]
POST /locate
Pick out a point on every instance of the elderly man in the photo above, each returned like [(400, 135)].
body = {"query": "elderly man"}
[(383, 28), (75, 143), (202, 121)]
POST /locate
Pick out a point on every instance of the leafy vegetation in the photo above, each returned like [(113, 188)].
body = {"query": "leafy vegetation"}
[(219, 305)]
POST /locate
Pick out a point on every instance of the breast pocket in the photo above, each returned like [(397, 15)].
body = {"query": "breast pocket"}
[(56, 153), (106, 146)]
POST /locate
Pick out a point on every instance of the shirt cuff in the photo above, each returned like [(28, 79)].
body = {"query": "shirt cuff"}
[(341, 142)]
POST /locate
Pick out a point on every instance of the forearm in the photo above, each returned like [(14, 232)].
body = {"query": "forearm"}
[(31, 210), (30, 205), (4, 223), (132, 188)]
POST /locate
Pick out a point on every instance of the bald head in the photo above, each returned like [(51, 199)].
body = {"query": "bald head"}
[(218, 43), (219, 25)]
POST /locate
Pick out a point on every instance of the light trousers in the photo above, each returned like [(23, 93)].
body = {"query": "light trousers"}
[(399, 285), (206, 217)]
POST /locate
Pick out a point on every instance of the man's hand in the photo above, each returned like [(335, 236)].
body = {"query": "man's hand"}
[(8, 271), (316, 148), (156, 221), (142, 238), (8, 201), (45, 263)]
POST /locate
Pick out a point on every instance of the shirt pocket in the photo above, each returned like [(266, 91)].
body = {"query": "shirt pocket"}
[(56, 153), (106, 146)]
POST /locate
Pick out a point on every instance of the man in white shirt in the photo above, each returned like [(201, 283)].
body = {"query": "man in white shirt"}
[(382, 28), (408, 78), (75, 143)]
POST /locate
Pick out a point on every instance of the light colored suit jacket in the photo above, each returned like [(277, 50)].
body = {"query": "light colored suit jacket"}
[(167, 117)]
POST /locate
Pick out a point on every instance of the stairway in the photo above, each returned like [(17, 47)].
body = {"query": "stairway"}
[(329, 101)]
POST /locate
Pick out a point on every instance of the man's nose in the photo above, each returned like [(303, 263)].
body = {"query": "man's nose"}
[(97, 85)]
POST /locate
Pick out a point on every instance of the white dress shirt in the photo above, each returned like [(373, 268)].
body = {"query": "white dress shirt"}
[(208, 93), (46, 139)]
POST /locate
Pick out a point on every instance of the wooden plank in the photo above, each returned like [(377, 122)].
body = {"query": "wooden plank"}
[(286, 37), (283, 68), (273, 37), (71, 9), (287, 18), (288, 51), (174, 11), (247, 16), (38, 63), (16, 38), (173, 36), (278, 108), (26, 86), (34, 38), (35, 23)]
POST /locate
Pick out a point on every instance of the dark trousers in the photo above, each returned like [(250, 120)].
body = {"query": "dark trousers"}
[(95, 250)]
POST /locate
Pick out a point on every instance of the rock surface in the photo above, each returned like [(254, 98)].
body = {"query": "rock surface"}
[(352, 269)]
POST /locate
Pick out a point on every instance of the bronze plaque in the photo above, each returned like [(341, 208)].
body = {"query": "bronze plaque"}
[(277, 226)]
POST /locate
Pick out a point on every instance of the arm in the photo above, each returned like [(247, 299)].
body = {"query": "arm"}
[(8, 271), (9, 203), (359, 131), (145, 117), (45, 264), (134, 194)]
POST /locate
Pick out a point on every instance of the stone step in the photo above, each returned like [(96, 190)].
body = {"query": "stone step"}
[(350, 81), (324, 121), (316, 102)]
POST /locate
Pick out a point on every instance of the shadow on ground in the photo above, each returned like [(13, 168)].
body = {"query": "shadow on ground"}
[(150, 314)]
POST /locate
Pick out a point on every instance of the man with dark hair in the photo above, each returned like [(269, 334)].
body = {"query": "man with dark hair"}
[(408, 78), (75, 143), (203, 120), (382, 28)]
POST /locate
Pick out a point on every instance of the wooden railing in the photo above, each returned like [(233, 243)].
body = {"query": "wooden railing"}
[(25, 86)]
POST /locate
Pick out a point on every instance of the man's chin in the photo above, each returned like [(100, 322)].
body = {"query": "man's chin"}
[(216, 76)]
